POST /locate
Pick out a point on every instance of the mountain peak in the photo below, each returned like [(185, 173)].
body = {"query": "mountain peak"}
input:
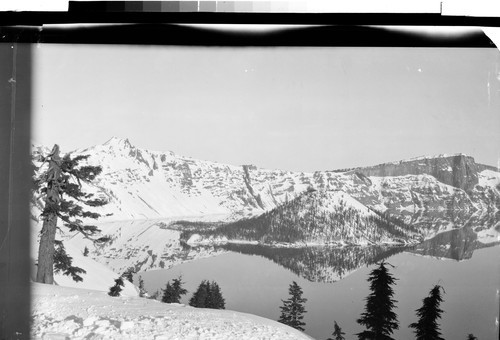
[(119, 142)]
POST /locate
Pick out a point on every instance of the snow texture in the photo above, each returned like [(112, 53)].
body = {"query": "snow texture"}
[(72, 313)]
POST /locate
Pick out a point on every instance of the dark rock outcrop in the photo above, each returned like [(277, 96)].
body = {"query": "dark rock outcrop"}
[(459, 170)]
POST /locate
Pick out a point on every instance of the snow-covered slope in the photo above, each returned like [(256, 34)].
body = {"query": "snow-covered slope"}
[(313, 218), (71, 313), (142, 184)]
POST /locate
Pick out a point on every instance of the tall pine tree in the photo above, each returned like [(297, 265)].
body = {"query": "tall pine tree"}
[(427, 327), (292, 311), (59, 185), (379, 319)]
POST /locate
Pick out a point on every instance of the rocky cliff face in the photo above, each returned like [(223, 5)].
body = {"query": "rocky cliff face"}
[(459, 171)]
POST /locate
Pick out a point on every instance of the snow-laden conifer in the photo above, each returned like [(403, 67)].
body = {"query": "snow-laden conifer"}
[(58, 183)]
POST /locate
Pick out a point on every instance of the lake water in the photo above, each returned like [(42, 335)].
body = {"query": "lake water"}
[(257, 283)]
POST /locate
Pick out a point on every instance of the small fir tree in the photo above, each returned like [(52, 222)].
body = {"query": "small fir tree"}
[(173, 292), (337, 332), (214, 298), (142, 290), (117, 288), (200, 296), (471, 337), (178, 289), (379, 319), (292, 311), (208, 295), (427, 327), (168, 294), (129, 275), (85, 251)]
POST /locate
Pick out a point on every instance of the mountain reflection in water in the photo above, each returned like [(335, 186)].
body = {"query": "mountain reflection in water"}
[(317, 264), (329, 264)]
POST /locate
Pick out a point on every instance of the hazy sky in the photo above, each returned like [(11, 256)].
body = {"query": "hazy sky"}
[(301, 109)]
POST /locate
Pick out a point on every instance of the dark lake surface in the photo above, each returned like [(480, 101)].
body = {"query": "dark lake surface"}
[(255, 279)]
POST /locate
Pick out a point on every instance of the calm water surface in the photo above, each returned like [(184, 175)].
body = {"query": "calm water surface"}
[(253, 284)]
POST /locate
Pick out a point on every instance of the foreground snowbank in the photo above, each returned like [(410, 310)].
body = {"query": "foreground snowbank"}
[(73, 313)]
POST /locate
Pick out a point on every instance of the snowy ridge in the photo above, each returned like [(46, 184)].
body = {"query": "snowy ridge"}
[(145, 184), (419, 158), (142, 184), (71, 313)]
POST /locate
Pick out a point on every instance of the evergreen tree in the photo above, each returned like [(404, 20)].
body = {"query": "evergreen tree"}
[(142, 290), (117, 288), (208, 295), (337, 332), (129, 275), (214, 298), (471, 337), (59, 185), (427, 328), (293, 309), (85, 251), (174, 291), (64, 263), (168, 294), (199, 297), (178, 289), (379, 319)]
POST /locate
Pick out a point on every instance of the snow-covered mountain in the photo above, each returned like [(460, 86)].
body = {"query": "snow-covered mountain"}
[(312, 218), (151, 190), (143, 184), (147, 184)]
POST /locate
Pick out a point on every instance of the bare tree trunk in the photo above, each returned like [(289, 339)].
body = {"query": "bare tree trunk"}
[(45, 270)]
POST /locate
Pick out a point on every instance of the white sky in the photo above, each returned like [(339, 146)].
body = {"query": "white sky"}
[(301, 109)]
